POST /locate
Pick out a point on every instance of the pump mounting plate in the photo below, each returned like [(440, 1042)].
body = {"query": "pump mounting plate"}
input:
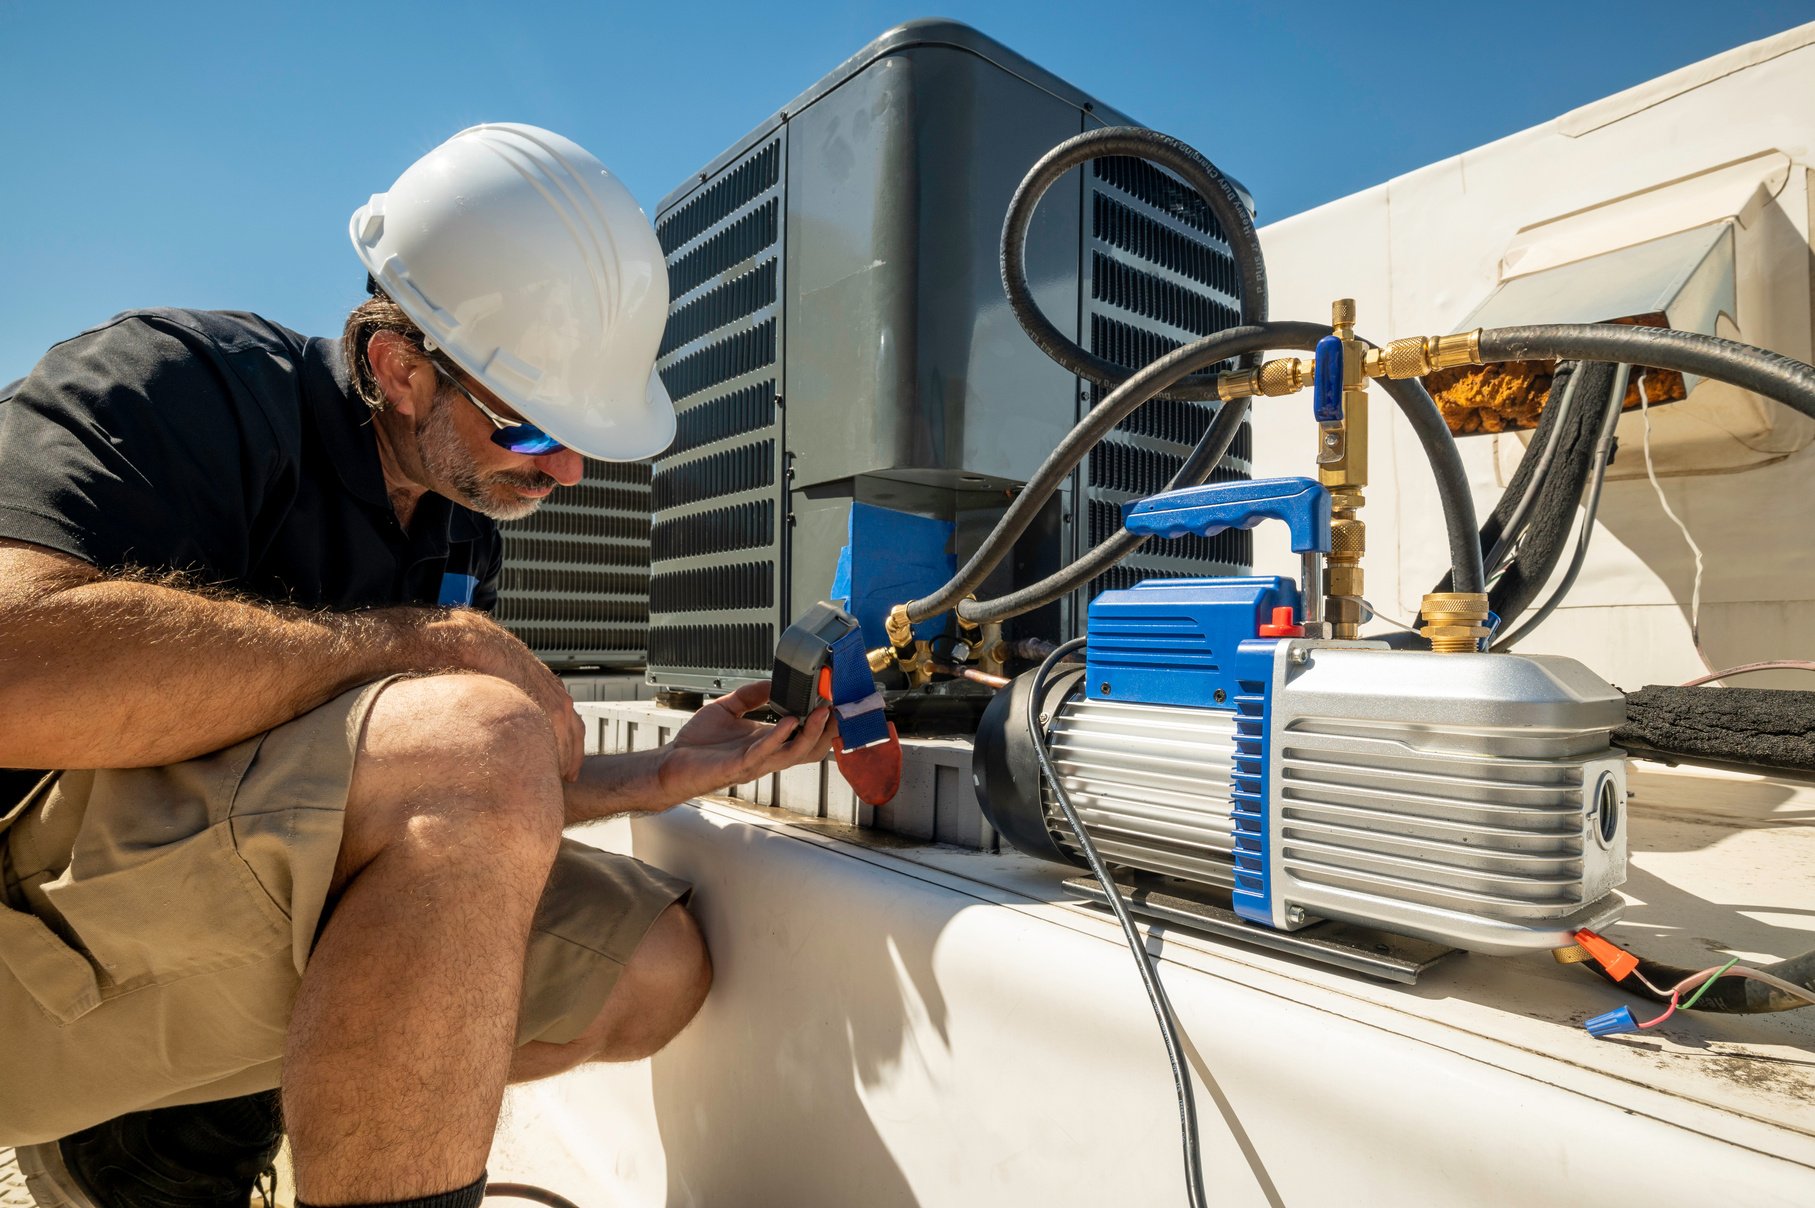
[(1376, 954)]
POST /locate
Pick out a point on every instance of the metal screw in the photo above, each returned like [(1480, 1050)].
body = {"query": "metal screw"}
[(1219, 696), (1298, 656), (1295, 915), (1104, 688), (1045, 718), (1330, 439)]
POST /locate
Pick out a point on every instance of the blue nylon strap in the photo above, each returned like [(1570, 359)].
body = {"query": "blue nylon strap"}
[(853, 685)]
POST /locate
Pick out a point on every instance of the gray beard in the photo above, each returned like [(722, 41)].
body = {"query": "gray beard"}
[(460, 480)]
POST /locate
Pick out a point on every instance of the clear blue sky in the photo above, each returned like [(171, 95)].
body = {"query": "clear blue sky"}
[(208, 154)]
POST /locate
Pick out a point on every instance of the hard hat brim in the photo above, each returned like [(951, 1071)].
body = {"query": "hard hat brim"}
[(629, 435)]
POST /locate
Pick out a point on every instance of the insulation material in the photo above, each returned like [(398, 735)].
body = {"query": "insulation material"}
[(1510, 396), (1759, 727)]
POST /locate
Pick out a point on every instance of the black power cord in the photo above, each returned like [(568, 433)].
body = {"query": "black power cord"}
[(524, 1191), (1156, 993)]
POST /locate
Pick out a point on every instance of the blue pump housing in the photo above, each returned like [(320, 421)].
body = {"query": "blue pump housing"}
[(1196, 643), (1175, 641)]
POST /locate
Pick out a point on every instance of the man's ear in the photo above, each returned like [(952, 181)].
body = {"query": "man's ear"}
[(402, 372)]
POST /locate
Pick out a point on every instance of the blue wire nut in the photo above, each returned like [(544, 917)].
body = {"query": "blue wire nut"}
[(1612, 1023)]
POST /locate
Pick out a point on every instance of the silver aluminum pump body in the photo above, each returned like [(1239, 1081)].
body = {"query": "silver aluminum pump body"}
[(1469, 799)]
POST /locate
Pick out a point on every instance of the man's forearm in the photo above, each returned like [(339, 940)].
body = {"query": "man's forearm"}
[(629, 783), (116, 673)]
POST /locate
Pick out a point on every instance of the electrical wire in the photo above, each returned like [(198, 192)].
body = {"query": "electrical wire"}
[(1156, 993), (1703, 988), (1747, 669), (1515, 521), (1652, 1023), (1786, 985), (524, 1191), (1707, 977), (1591, 504), (1695, 595)]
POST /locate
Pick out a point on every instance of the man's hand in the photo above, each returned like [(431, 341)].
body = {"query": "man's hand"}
[(717, 747), (720, 746), (481, 644)]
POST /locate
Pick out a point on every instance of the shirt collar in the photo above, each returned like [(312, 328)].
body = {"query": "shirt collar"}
[(344, 423)]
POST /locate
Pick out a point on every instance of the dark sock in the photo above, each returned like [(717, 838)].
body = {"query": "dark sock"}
[(469, 1196)]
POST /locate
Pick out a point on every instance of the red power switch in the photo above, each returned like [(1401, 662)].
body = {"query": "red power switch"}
[(1283, 625)]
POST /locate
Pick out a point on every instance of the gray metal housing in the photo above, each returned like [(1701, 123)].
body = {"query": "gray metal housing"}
[(575, 586), (838, 334), (1468, 799)]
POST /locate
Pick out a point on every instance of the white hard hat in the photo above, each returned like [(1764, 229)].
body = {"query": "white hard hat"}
[(519, 255)]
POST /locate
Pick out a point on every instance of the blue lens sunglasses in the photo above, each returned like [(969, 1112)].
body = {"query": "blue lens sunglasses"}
[(516, 436)]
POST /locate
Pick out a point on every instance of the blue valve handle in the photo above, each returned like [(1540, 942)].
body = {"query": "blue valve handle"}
[(1302, 503), (1326, 381)]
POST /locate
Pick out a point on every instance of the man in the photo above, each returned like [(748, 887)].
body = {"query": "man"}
[(309, 822)]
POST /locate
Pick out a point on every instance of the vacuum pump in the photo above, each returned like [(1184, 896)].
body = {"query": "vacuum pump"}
[(1471, 800)]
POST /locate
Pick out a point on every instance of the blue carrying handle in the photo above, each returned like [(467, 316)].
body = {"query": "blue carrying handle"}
[(1302, 503)]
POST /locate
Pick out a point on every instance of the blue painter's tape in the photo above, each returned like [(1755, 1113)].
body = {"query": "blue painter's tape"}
[(893, 557), (457, 590)]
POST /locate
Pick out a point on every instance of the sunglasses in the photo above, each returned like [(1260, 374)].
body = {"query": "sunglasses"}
[(514, 435)]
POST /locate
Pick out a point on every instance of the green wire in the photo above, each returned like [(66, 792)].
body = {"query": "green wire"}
[(1703, 988)]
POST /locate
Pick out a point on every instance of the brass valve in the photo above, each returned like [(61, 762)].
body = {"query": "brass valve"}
[(1413, 356), (1454, 621), (1342, 466)]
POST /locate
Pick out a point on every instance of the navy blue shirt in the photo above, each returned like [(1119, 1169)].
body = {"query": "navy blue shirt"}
[(225, 446)]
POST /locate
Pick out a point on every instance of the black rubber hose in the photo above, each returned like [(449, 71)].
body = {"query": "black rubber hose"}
[(1150, 978), (1728, 995), (1545, 532), (1591, 507), (1200, 174), (1504, 524), (1147, 383), (1197, 468), (1785, 379), (1453, 493)]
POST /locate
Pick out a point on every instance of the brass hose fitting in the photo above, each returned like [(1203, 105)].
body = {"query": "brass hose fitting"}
[(992, 653), (880, 659), (1287, 375), (1416, 356), (899, 628), (1455, 621)]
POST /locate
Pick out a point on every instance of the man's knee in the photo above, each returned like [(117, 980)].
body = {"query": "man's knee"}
[(660, 990), (455, 765)]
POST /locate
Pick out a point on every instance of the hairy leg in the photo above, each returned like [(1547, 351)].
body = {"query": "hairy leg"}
[(659, 991), (403, 1029)]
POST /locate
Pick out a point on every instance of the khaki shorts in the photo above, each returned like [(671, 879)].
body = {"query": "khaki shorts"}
[(156, 923)]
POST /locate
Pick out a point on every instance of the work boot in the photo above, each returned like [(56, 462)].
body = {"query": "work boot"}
[(208, 1155)]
